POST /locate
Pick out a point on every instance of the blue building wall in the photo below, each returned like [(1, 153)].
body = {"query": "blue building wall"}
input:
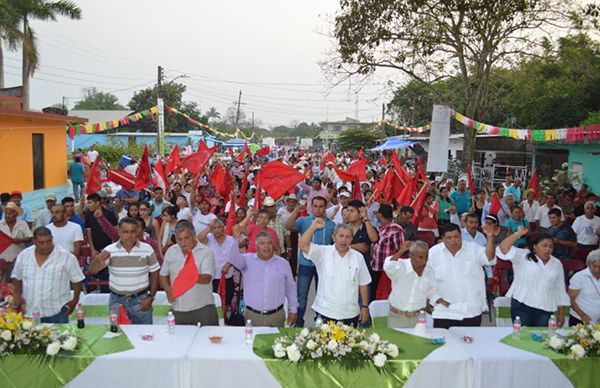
[(181, 139)]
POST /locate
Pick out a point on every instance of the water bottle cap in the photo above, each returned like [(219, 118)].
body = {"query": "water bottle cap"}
[(248, 322)]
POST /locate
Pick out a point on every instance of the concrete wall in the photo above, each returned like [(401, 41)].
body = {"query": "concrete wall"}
[(182, 139)]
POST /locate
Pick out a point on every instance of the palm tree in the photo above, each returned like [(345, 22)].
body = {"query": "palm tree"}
[(38, 10), (10, 34), (212, 113)]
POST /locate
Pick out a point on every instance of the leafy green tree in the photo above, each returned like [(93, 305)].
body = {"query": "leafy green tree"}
[(433, 40), (357, 138), (10, 33), (37, 10), (212, 113), (95, 99)]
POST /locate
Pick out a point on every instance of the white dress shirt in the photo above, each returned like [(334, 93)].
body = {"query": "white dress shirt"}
[(409, 290), (339, 280), (541, 216), (47, 288), (588, 298), (586, 229), (536, 284), (460, 278), (530, 210)]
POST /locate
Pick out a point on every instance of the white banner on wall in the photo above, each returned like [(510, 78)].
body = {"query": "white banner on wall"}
[(439, 139)]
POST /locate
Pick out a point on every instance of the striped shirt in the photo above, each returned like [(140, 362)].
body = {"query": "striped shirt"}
[(48, 287), (390, 240), (129, 270)]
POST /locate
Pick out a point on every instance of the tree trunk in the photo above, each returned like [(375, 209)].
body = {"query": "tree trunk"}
[(25, 67), (1, 65)]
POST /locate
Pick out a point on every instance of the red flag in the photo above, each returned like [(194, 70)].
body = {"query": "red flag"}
[(247, 149), (121, 177), (308, 173), (196, 162), (356, 192), (418, 202), (242, 199), (123, 319), (266, 150), (382, 162), (5, 241), (143, 178), (257, 196), (534, 184), (231, 152), (161, 176), (495, 205), (187, 277), (231, 218), (406, 196), (222, 180), (404, 176), (421, 171), (360, 154), (329, 158), (390, 186), (342, 174), (359, 168), (173, 161), (277, 178), (470, 179), (94, 180)]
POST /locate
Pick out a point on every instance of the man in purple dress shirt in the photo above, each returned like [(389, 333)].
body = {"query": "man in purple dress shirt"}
[(268, 280)]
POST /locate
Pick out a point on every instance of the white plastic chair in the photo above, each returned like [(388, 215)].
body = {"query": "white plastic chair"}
[(219, 305), (379, 310), (502, 307)]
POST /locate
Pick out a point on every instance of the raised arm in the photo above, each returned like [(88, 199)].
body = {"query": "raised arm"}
[(490, 247), (509, 241), (289, 225), (304, 243), (371, 231)]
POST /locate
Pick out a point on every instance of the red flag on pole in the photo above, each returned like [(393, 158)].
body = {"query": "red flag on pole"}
[(266, 150), (173, 161), (470, 179), (123, 319), (242, 199), (277, 178), (161, 176), (391, 186), (404, 176), (196, 162), (247, 149), (257, 196), (143, 177), (94, 180), (329, 158), (222, 180), (405, 197), (5, 241), (121, 177), (356, 191), (495, 205), (360, 154), (534, 184), (359, 168), (418, 202), (187, 277), (343, 174), (421, 171), (231, 218)]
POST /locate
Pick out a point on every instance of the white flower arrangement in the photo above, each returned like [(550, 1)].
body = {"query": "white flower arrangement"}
[(18, 335), (339, 343), (579, 342)]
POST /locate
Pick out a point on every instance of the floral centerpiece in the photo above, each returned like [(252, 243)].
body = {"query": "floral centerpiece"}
[(337, 343), (579, 342), (18, 335)]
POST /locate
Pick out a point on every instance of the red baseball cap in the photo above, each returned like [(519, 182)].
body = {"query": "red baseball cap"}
[(16, 192)]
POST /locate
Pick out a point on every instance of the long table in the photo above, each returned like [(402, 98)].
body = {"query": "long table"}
[(188, 359)]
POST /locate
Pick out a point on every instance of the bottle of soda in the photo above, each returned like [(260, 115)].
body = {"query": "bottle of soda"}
[(551, 325), (517, 328), (80, 316), (114, 323), (318, 321), (171, 323), (248, 333), (37, 316)]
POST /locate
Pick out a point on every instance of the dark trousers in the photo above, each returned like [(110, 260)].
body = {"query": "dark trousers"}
[(448, 323), (229, 286), (375, 277), (350, 321), (60, 317), (530, 316), (574, 321)]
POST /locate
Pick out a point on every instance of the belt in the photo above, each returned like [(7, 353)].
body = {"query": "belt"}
[(131, 295), (264, 312), (408, 314)]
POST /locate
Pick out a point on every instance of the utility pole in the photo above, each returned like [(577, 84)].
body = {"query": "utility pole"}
[(356, 107), (160, 114), (65, 101), (237, 115), (252, 121), (382, 112)]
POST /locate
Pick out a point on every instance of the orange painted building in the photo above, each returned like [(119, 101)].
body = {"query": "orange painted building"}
[(33, 149)]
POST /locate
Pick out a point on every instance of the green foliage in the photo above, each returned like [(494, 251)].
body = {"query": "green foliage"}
[(302, 130), (593, 118), (95, 99), (357, 138), (113, 151)]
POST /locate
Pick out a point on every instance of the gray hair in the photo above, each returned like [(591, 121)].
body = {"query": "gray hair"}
[(264, 234), (590, 203), (593, 257), (418, 245), (342, 226), (183, 225)]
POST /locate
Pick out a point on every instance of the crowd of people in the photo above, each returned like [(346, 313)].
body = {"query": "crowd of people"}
[(262, 254)]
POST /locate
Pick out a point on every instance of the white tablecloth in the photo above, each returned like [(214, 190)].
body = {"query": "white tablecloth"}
[(497, 365)]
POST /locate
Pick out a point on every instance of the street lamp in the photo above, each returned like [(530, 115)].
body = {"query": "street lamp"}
[(160, 110)]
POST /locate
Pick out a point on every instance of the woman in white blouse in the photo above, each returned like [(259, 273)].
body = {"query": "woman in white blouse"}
[(538, 289), (584, 291)]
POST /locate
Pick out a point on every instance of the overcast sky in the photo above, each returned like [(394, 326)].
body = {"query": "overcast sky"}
[(269, 49)]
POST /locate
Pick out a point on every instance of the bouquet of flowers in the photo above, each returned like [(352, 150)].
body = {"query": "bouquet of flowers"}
[(337, 343), (579, 342), (18, 335)]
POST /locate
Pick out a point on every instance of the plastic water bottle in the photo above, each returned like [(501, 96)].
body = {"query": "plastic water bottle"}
[(80, 317), (171, 323), (551, 326), (421, 326), (517, 328), (37, 316), (114, 319), (248, 333), (318, 321)]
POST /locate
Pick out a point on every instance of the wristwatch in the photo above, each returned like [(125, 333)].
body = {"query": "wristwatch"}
[(364, 307)]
